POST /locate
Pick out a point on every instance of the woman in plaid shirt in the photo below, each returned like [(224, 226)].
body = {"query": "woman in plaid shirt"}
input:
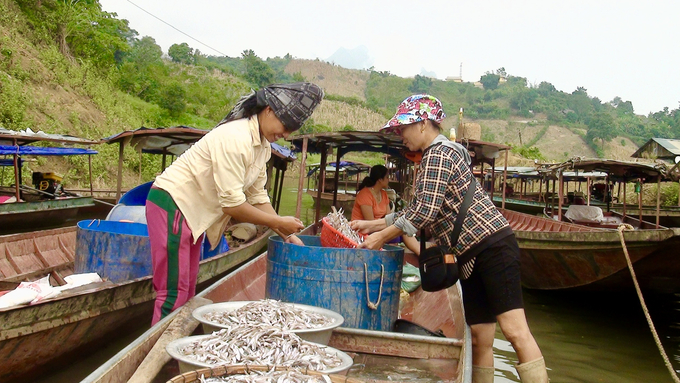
[(487, 252)]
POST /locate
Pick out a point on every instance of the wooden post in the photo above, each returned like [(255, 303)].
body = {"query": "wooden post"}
[(321, 185), (119, 181), (336, 178), (658, 199), (624, 199), (283, 176), (560, 196), (642, 187), (607, 193), (89, 161), (493, 178), (303, 160), (275, 182), (17, 184), (139, 176), (588, 183), (505, 178)]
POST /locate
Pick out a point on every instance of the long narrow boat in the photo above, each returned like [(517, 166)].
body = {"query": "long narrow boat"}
[(379, 356), (34, 338), (559, 255)]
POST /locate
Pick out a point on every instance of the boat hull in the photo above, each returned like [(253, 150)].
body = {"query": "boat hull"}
[(593, 259), (32, 215), (34, 337)]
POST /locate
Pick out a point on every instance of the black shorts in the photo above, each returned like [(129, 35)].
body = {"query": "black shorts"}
[(494, 287)]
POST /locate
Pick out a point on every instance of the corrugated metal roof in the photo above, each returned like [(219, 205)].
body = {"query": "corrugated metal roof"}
[(671, 148)]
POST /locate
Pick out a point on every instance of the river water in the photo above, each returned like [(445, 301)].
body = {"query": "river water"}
[(584, 337)]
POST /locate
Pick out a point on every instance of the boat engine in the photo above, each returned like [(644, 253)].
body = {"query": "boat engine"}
[(48, 183)]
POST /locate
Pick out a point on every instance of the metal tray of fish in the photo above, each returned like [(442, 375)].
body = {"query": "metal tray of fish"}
[(320, 335), (187, 363)]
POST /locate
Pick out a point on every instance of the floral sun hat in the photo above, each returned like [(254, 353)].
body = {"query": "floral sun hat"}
[(415, 108)]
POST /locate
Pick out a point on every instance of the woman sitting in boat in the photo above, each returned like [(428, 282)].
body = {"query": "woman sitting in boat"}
[(372, 203), (486, 251), (222, 176)]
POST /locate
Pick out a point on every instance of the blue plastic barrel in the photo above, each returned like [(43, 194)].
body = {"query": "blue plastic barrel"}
[(222, 247), (335, 279), (137, 195), (117, 251)]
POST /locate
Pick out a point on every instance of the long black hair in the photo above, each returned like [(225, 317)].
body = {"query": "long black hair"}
[(246, 107), (377, 172)]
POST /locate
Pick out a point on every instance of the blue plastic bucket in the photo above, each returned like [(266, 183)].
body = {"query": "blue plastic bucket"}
[(335, 279), (117, 251)]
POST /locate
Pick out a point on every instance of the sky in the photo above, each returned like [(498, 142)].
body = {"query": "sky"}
[(611, 48)]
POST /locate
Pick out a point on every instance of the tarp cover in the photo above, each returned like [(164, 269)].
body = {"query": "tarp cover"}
[(584, 213), (43, 151)]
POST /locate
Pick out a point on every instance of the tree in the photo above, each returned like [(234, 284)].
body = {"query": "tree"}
[(257, 71), (420, 84), (182, 53), (601, 126), (172, 99), (523, 99), (490, 81), (545, 88)]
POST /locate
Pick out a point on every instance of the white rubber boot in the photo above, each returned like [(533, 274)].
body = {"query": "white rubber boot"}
[(482, 374), (533, 372)]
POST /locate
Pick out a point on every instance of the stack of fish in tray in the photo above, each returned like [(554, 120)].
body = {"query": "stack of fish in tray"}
[(262, 333)]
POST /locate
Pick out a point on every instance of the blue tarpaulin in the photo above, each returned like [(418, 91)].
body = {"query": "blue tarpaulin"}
[(43, 151)]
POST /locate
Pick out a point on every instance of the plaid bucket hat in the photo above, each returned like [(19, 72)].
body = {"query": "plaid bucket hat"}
[(415, 108), (293, 103)]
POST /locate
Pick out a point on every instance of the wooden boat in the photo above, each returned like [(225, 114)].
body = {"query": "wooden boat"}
[(379, 356), (560, 255), (46, 204), (34, 338)]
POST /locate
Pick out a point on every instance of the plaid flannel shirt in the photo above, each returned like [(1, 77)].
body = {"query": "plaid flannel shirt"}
[(443, 178)]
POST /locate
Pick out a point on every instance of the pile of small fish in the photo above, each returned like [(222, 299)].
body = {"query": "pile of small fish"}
[(290, 376), (260, 345), (337, 221), (270, 312)]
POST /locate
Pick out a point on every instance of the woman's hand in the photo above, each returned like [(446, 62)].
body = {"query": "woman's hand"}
[(372, 242), (294, 240), (363, 226), (289, 225)]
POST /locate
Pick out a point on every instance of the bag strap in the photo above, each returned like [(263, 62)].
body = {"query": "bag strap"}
[(458, 225)]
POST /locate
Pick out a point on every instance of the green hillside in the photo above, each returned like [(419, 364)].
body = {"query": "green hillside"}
[(69, 67)]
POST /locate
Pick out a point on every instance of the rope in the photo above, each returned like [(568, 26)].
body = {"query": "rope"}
[(674, 375), (371, 305)]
